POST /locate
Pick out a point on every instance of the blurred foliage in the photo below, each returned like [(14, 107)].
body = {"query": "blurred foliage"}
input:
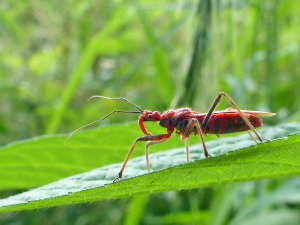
[(56, 54)]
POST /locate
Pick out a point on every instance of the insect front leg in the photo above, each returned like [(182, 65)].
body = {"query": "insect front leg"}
[(217, 100), (190, 129), (147, 149), (153, 139)]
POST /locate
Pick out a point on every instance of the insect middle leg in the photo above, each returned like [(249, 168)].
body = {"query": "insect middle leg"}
[(217, 100), (153, 138), (190, 129)]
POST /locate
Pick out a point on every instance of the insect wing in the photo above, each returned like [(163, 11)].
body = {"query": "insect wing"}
[(255, 113)]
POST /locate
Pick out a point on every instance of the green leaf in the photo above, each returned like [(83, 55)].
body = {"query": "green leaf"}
[(169, 170), (42, 160)]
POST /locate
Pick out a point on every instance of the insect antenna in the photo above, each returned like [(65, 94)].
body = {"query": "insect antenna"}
[(121, 98), (116, 111)]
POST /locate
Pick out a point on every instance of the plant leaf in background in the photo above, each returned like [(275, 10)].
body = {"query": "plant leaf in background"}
[(170, 171)]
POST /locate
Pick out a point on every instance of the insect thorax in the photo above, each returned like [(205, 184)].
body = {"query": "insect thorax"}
[(181, 124), (167, 121)]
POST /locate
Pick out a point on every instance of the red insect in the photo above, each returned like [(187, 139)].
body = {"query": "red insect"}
[(186, 122)]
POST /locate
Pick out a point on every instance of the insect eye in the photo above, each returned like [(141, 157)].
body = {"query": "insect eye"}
[(149, 117)]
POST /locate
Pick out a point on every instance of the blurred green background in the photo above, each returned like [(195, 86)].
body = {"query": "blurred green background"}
[(55, 54)]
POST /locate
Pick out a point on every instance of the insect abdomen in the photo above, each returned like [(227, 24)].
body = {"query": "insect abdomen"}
[(230, 123)]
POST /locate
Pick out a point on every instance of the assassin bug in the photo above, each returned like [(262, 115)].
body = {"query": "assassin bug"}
[(186, 122)]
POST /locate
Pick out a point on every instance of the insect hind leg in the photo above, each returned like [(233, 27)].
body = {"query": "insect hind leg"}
[(217, 100)]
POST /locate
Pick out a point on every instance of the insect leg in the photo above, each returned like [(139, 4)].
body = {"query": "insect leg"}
[(153, 138), (187, 149), (190, 128), (217, 100), (251, 136), (147, 149), (254, 138)]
